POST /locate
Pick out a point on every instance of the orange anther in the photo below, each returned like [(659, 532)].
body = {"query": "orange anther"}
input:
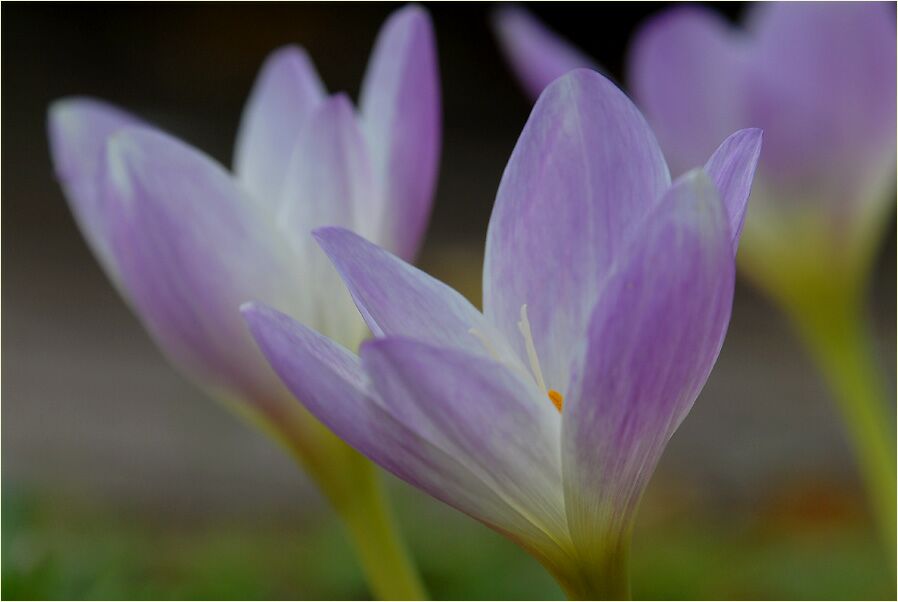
[(557, 399)]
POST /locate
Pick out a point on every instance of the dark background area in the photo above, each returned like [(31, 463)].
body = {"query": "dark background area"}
[(120, 479)]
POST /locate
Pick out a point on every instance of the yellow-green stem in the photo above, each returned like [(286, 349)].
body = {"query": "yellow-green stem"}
[(374, 534), (352, 485), (837, 334)]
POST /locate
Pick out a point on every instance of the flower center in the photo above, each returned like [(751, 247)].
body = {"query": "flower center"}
[(524, 326), (536, 372)]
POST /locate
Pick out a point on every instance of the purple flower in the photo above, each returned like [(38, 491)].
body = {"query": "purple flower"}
[(819, 78), (607, 294), (537, 55), (187, 242)]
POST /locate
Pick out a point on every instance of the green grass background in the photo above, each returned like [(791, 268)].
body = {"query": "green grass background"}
[(809, 545)]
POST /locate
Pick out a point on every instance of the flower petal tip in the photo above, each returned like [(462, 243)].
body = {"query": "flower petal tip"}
[(259, 317), (578, 78), (412, 14), (64, 109), (288, 53), (328, 236), (657, 27), (77, 127), (753, 136), (507, 15), (264, 323), (250, 309), (75, 107)]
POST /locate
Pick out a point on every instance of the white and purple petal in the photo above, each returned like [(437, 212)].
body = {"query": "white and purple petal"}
[(400, 112), (328, 179), (286, 91), (328, 183), (78, 129), (191, 246), (397, 299), (480, 413), (585, 168), (331, 383), (732, 169), (651, 343)]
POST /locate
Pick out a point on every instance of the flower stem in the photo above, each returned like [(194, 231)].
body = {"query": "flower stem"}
[(369, 521), (352, 485), (836, 332)]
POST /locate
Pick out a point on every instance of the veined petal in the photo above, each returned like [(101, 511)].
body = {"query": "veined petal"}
[(286, 91), (400, 108), (653, 338), (398, 299), (537, 55), (328, 183), (191, 247), (732, 169), (329, 175), (78, 129), (330, 382), (585, 169), (822, 85), (686, 72), (481, 414)]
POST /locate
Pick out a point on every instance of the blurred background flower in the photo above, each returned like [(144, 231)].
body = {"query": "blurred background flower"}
[(819, 77), (121, 482)]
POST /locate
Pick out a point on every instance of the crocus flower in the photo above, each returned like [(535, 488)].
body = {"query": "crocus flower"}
[(819, 78), (187, 242), (607, 294)]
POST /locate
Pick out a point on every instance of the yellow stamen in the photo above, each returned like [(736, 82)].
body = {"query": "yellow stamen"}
[(557, 399), (524, 327)]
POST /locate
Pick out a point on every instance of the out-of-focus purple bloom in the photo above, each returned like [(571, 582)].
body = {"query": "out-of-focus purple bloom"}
[(537, 55), (819, 78), (187, 242), (607, 295)]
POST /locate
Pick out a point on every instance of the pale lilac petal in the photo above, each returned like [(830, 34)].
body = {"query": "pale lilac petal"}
[(328, 183), (481, 414), (686, 72), (732, 169), (330, 382), (328, 179), (78, 129), (286, 91), (400, 108), (652, 341), (191, 247), (823, 88), (537, 55), (398, 299), (585, 169)]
